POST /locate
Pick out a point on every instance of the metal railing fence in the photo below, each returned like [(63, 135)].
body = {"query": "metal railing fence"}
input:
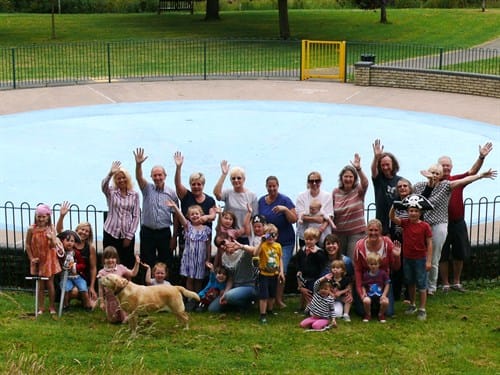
[(482, 219), (87, 62), (184, 59), (421, 57)]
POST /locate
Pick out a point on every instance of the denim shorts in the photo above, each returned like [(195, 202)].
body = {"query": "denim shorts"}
[(415, 273), (75, 281)]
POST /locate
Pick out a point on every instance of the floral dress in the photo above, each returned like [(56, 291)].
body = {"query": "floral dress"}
[(42, 249), (195, 251)]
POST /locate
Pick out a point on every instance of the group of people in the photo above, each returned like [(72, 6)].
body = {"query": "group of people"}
[(341, 261)]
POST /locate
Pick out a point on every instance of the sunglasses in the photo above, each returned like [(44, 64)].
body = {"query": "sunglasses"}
[(236, 178), (314, 181)]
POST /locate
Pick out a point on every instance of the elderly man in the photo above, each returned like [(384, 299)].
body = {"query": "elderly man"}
[(157, 240), (457, 241)]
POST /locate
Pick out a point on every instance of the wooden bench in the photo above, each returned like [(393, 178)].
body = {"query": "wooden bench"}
[(175, 6)]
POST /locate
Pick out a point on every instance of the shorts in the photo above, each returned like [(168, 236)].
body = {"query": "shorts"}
[(267, 286), (415, 273), (457, 242), (75, 281)]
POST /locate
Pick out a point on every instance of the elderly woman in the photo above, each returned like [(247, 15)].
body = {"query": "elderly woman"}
[(87, 251), (238, 199), (304, 200), (438, 192), (194, 196), (349, 205), (124, 213), (390, 259), (278, 209)]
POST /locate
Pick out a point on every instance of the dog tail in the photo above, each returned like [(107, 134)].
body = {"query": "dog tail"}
[(187, 293)]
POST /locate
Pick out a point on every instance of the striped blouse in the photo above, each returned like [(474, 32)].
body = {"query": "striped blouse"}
[(124, 211)]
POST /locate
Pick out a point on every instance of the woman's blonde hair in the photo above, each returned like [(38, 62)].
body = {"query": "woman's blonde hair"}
[(127, 177)]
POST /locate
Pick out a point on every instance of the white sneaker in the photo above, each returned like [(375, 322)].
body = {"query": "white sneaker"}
[(346, 317)]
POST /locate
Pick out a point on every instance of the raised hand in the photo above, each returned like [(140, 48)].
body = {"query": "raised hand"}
[(489, 174), (115, 167), (485, 150), (378, 149), (224, 166), (139, 155), (178, 158), (356, 163), (64, 208)]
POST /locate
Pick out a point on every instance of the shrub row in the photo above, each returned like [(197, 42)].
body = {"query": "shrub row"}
[(140, 6)]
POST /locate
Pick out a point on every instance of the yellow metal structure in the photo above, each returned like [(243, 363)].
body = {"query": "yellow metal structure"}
[(323, 59)]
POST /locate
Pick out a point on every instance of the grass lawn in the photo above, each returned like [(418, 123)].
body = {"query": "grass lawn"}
[(460, 336), (449, 27)]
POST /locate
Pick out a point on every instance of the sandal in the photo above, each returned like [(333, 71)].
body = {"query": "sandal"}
[(446, 288), (458, 287)]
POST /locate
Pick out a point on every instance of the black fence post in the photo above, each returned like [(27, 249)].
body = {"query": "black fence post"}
[(13, 67)]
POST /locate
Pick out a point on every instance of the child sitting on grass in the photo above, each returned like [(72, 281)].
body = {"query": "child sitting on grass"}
[(376, 285), (321, 309)]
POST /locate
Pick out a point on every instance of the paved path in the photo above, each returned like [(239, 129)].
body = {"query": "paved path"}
[(464, 106)]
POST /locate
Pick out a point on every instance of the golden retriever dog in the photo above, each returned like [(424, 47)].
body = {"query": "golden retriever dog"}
[(139, 299)]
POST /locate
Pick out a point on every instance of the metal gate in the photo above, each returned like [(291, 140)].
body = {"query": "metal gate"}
[(323, 59)]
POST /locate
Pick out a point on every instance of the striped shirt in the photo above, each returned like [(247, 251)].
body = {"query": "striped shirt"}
[(321, 307), (124, 211), (349, 210), (155, 212)]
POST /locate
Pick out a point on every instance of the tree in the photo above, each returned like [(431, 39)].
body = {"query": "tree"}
[(212, 10), (374, 4), (283, 19)]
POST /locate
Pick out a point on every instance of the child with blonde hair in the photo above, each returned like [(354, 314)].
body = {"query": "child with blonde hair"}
[(197, 248), (376, 285), (311, 261), (342, 289), (160, 274), (271, 272)]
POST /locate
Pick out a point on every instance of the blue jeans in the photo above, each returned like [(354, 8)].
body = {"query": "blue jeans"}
[(240, 297), (287, 252)]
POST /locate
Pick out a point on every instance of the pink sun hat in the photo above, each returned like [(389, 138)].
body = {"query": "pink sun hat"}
[(43, 209)]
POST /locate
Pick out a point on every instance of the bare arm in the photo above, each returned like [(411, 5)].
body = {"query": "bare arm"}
[(492, 174), (62, 213), (363, 180), (224, 166), (483, 152), (180, 189), (178, 213), (139, 159), (392, 215), (378, 149), (428, 261), (148, 274)]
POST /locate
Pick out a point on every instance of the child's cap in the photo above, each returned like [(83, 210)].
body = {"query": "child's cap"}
[(259, 219), (42, 209), (415, 201), (67, 233)]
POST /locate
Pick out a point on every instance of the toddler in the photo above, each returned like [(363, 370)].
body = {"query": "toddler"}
[(160, 274), (321, 309), (375, 286)]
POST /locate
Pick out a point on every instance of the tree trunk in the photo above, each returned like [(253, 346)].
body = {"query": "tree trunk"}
[(483, 5), (283, 19), (383, 12), (212, 10)]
